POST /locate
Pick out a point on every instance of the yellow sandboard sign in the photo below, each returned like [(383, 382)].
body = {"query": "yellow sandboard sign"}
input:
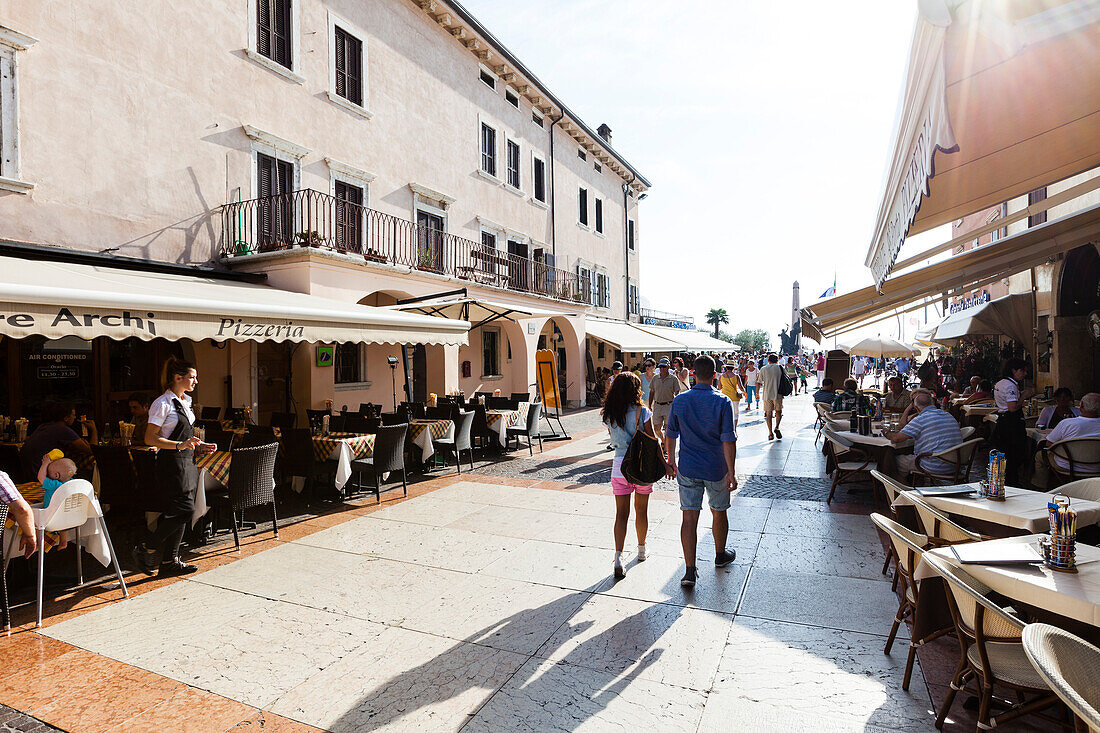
[(546, 379)]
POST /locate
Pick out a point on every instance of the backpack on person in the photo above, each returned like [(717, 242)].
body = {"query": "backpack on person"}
[(927, 370), (644, 462), (785, 386)]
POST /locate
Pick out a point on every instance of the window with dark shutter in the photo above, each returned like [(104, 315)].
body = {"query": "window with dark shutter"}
[(487, 260), (274, 179), (599, 215), (540, 180), (348, 369), (273, 30), (488, 149), (349, 217), (513, 164), (582, 202), (349, 66), (1035, 197), (630, 233)]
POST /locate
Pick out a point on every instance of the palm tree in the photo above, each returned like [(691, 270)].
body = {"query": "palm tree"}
[(716, 317)]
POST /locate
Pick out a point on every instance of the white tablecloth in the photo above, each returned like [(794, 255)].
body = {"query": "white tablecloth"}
[(1073, 595), (979, 410), (875, 440), (1021, 509), (424, 440)]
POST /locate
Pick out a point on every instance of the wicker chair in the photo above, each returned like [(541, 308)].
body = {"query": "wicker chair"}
[(461, 441), (938, 526), (222, 438), (531, 430), (909, 546), (362, 425), (117, 479), (1081, 456), (283, 420), (210, 413), (521, 397), (1068, 665), (393, 418), (850, 460), (501, 403), (251, 483), (337, 423), (298, 459), (5, 610), (992, 650), (257, 435), (439, 412), (415, 410), (388, 457), (481, 433), (961, 458), (1085, 488)]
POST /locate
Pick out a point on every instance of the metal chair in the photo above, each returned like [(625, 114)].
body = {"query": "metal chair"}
[(388, 457), (530, 431), (960, 457), (210, 413), (1068, 665), (1081, 457), (461, 441), (992, 650), (252, 483), (941, 530), (849, 460)]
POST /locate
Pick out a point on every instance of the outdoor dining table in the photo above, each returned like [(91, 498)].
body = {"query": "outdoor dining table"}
[(1073, 596), (882, 448), (1021, 510), (423, 433), (500, 420), (343, 448), (979, 410)]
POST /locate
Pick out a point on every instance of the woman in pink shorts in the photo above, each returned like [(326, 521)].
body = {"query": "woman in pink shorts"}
[(624, 414)]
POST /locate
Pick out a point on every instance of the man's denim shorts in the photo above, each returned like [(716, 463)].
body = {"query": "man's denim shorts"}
[(691, 494)]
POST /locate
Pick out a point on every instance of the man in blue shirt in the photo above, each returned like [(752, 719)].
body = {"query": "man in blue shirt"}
[(702, 419)]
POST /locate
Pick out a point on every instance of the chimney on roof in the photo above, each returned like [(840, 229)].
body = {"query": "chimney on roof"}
[(605, 132)]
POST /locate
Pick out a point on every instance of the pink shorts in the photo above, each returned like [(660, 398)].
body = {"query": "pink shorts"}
[(622, 487)]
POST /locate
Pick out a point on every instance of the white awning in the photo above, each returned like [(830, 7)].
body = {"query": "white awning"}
[(58, 299), (1000, 99), (477, 311), (1012, 316), (628, 337), (690, 339)]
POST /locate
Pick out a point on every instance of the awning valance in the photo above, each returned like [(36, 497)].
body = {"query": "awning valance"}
[(1012, 316), (972, 268), (690, 339), (58, 299), (477, 311), (1000, 99), (628, 337)]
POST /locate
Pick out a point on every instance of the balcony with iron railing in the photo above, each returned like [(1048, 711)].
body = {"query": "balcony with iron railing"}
[(311, 219)]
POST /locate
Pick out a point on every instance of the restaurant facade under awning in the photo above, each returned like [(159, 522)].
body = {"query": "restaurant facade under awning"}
[(1012, 316), (972, 268), (59, 299), (1000, 99), (628, 337)]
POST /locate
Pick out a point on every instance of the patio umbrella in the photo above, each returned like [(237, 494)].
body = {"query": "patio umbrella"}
[(881, 346)]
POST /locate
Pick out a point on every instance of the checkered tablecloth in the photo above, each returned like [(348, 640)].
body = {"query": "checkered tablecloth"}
[(344, 448), (500, 420), (422, 433), (216, 464)]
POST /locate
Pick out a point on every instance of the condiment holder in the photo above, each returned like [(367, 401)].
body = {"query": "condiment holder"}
[(993, 488), (1060, 548)]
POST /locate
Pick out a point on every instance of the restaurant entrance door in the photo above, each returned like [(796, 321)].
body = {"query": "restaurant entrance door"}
[(1078, 353), (272, 379)]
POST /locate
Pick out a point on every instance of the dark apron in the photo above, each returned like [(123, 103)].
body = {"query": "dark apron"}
[(177, 476), (1010, 437)]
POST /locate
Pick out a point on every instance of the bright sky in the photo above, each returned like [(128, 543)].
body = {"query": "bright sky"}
[(764, 128)]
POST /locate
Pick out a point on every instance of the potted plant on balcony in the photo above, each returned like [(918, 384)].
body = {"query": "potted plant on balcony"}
[(310, 238), (427, 260), (373, 255)]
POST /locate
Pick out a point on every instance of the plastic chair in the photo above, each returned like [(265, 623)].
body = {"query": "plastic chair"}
[(388, 457), (530, 431), (992, 649), (1068, 665), (71, 507), (461, 441)]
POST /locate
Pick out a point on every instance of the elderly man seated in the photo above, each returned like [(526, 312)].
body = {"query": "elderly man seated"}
[(1085, 426), (1061, 409), (849, 398), (827, 393), (897, 398), (975, 383), (932, 431), (983, 392)]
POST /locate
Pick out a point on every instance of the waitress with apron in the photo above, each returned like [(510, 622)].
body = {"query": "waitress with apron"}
[(171, 432), (1010, 433)]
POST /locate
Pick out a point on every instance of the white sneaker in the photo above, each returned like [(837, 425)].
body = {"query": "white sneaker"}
[(641, 553)]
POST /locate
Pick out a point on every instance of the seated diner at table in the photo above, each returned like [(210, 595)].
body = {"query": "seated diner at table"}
[(20, 512), (139, 416), (897, 398), (849, 398), (1060, 410), (931, 429), (827, 393), (56, 431), (984, 391), (975, 384), (1085, 426)]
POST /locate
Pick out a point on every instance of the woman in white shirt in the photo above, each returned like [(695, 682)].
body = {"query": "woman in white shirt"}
[(1010, 434), (170, 431)]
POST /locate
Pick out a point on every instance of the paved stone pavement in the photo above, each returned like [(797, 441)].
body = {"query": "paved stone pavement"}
[(484, 602), (13, 721)]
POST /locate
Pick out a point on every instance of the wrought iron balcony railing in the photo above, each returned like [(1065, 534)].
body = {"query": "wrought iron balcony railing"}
[(309, 218)]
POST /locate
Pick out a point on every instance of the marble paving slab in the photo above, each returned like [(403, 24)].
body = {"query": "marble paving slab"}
[(657, 580), (829, 601), (659, 642), (400, 680), (551, 563), (799, 523), (825, 556), (507, 521), (428, 509), (776, 674), (547, 697)]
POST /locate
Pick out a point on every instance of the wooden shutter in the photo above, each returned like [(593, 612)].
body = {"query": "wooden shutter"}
[(349, 217), (341, 41)]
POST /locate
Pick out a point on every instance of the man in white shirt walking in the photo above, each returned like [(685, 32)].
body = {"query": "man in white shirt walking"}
[(770, 399)]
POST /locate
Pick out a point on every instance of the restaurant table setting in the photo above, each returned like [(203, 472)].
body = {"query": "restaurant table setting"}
[(869, 435), (423, 433), (91, 539), (1020, 509), (500, 420), (343, 448)]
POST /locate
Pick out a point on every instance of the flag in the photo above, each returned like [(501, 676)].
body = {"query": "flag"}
[(831, 291)]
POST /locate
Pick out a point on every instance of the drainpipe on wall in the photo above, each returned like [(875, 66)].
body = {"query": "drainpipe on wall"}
[(553, 194), (626, 238)]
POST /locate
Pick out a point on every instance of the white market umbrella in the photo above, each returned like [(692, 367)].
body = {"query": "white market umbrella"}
[(881, 346)]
